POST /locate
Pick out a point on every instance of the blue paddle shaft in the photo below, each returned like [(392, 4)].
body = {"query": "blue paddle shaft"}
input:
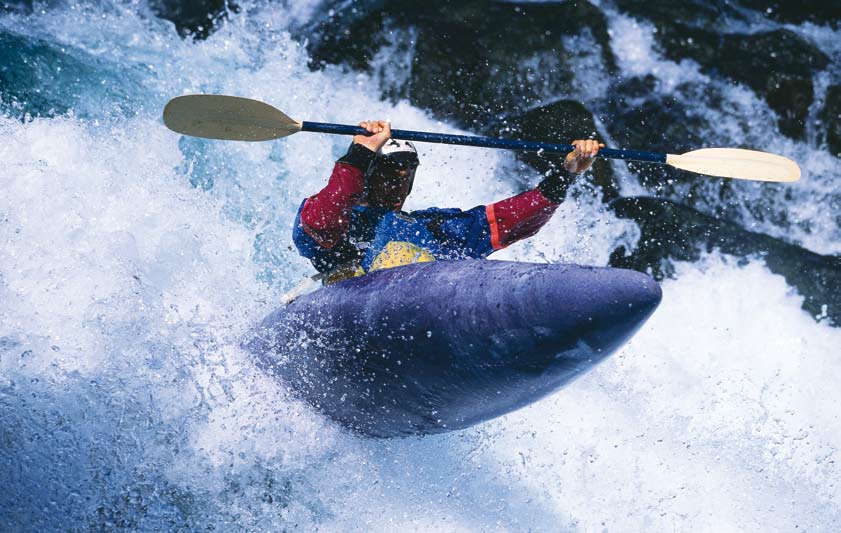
[(486, 142)]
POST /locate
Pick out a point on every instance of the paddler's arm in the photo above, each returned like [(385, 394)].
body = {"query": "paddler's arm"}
[(521, 216), (325, 216)]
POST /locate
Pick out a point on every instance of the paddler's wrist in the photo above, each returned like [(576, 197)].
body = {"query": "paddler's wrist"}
[(554, 186), (358, 156)]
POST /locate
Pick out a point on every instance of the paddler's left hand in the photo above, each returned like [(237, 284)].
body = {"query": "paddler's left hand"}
[(583, 156)]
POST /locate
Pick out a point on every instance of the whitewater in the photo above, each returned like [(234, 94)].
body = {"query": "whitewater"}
[(134, 262)]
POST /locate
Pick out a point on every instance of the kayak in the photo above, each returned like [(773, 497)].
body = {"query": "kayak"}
[(440, 346)]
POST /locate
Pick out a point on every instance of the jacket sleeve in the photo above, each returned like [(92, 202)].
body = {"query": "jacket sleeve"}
[(518, 217), (325, 216), (480, 231), (323, 259)]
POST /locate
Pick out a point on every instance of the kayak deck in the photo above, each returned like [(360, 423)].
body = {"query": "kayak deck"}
[(434, 347)]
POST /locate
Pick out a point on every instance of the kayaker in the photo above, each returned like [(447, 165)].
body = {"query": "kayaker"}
[(356, 224)]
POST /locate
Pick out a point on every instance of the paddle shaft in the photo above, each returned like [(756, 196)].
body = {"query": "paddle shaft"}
[(486, 142), (232, 118)]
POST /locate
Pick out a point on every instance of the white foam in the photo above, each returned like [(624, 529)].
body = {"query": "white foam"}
[(741, 119)]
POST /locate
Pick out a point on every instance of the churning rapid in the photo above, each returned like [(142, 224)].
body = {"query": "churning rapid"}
[(134, 262)]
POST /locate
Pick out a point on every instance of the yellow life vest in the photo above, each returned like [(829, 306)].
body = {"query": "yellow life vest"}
[(393, 254)]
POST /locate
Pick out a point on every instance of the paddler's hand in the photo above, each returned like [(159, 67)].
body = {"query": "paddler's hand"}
[(381, 131), (583, 156)]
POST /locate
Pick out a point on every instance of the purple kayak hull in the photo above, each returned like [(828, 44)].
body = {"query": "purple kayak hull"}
[(440, 346)]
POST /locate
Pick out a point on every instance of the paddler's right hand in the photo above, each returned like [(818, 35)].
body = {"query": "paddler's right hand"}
[(381, 131)]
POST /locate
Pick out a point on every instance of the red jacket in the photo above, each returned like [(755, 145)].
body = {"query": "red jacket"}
[(331, 225)]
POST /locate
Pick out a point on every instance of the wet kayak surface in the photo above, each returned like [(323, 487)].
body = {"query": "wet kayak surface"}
[(435, 347)]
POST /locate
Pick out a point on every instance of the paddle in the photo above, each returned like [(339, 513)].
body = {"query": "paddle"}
[(232, 118)]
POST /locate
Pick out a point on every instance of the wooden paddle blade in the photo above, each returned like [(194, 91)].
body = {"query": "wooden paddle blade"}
[(229, 118), (737, 163)]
